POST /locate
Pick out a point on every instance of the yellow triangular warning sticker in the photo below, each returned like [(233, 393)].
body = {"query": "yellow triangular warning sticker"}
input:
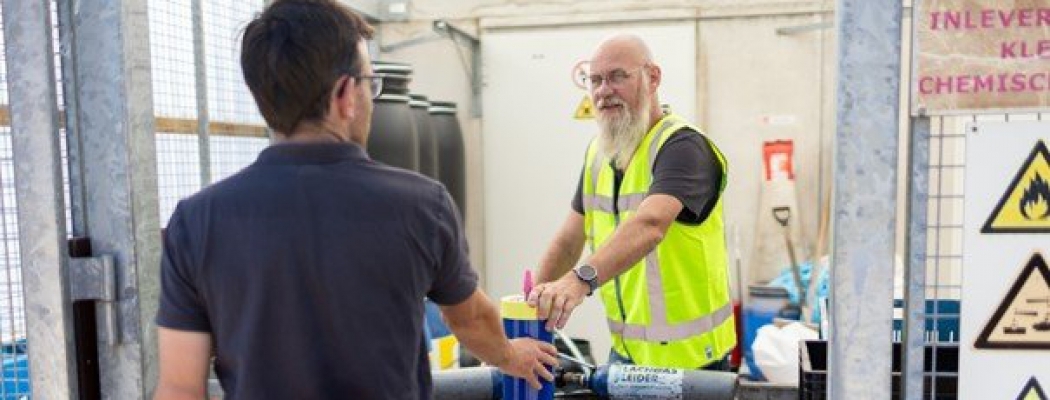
[(1032, 391), (1025, 207), (1022, 320), (586, 109)]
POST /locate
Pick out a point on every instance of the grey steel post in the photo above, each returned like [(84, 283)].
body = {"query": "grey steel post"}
[(475, 80), (120, 180), (66, 40), (913, 342), (38, 189), (200, 77), (864, 198)]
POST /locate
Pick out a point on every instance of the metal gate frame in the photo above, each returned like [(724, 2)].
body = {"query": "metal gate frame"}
[(106, 74)]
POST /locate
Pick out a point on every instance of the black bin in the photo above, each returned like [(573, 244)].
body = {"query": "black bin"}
[(813, 371)]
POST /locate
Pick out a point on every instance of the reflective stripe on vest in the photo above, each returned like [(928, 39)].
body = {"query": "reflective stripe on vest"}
[(594, 202), (659, 330), (667, 333)]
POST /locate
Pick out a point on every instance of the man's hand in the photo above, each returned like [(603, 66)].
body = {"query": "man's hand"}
[(475, 321), (556, 300), (528, 358)]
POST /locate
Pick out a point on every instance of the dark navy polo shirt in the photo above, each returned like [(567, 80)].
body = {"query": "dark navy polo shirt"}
[(309, 268)]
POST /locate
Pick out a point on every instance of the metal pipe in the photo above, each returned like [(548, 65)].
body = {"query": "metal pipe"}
[(579, 358), (615, 381), (477, 383)]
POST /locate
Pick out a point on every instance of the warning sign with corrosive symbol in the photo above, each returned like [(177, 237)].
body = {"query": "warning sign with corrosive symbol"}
[(1022, 320), (1025, 207), (1032, 391), (586, 109)]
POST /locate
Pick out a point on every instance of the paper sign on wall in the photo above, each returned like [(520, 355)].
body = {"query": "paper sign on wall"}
[(1032, 391), (778, 160), (579, 74), (1022, 320), (980, 56), (1025, 207)]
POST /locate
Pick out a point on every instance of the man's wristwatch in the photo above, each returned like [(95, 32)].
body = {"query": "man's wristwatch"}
[(588, 275)]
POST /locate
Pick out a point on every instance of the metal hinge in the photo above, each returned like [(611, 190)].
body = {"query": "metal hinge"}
[(94, 279)]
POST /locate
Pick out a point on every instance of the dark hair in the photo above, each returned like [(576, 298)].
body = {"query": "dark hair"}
[(293, 53)]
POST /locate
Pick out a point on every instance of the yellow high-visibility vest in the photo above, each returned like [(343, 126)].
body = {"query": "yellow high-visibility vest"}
[(671, 309)]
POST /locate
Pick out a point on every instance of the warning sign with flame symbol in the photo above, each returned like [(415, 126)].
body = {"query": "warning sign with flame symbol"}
[(1025, 207)]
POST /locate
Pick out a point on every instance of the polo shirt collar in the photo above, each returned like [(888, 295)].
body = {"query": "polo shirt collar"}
[(311, 153)]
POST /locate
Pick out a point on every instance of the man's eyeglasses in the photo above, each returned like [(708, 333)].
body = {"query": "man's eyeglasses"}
[(613, 78), (375, 81)]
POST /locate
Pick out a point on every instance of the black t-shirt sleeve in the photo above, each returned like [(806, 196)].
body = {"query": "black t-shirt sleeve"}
[(577, 199), (181, 306), (687, 168), (454, 279)]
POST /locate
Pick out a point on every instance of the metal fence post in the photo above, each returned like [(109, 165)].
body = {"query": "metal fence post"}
[(115, 120), (913, 341), (201, 80), (865, 198), (38, 187)]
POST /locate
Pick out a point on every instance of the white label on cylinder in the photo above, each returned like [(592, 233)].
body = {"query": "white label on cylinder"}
[(631, 382)]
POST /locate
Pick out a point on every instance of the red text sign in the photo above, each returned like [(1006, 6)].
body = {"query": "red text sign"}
[(981, 56)]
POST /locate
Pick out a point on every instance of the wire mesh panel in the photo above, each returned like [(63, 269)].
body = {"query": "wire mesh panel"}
[(943, 289), (13, 344), (171, 58), (12, 313), (235, 130), (228, 97), (178, 170), (231, 153), (238, 132), (174, 102)]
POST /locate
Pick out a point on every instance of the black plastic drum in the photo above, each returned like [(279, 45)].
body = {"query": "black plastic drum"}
[(393, 139), (428, 152), (451, 161)]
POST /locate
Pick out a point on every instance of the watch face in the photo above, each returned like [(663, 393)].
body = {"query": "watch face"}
[(587, 272)]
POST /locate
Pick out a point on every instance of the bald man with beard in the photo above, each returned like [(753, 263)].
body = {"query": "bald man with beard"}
[(649, 209)]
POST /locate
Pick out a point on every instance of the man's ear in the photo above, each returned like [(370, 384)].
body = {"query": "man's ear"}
[(342, 102), (655, 76)]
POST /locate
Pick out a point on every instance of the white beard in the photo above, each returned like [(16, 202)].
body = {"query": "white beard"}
[(619, 136)]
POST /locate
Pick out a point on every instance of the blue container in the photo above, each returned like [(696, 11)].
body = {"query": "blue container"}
[(944, 326), (519, 320), (16, 377), (764, 304)]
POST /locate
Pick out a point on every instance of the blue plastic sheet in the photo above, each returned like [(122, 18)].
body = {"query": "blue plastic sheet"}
[(786, 280)]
